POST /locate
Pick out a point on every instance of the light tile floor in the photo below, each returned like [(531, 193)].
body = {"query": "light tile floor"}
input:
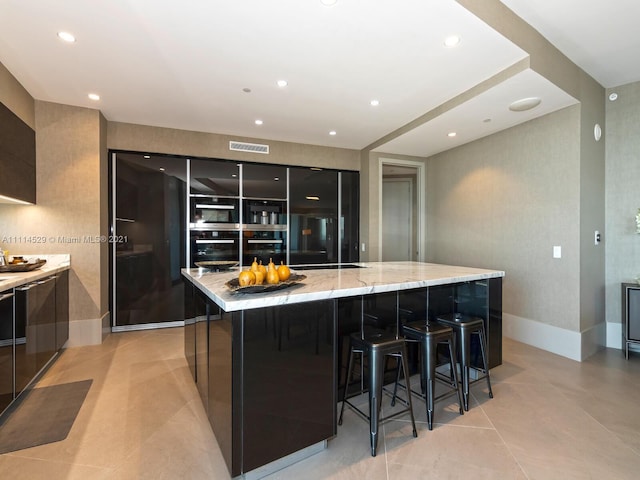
[(551, 418)]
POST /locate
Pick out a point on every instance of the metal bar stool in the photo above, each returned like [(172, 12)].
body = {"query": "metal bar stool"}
[(377, 346), (464, 326), (429, 335)]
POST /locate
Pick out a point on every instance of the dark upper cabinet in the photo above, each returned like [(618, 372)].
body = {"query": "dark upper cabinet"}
[(264, 181), (214, 177), (349, 216), (17, 157)]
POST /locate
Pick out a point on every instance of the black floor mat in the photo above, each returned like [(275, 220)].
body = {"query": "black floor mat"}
[(44, 415)]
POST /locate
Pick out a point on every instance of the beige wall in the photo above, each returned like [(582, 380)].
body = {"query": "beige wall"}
[(622, 243), (140, 138), (503, 202), (68, 176)]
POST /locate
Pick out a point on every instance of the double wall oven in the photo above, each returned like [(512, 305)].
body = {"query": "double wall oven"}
[(214, 229)]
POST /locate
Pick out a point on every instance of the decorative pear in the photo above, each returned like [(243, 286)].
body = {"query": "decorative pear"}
[(272, 276), (283, 272), (246, 277), (271, 264), (263, 269), (260, 275), (254, 265)]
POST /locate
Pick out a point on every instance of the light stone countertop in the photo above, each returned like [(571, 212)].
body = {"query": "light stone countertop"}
[(55, 264), (323, 284)]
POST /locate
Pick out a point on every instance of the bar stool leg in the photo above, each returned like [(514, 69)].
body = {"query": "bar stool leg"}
[(376, 368), (405, 369), (465, 342), (484, 360), (346, 385), (429, 359), (454, 373)]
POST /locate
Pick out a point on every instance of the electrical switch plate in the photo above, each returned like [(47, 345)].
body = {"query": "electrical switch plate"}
[(363, 247), (557, 251), (596, 238)]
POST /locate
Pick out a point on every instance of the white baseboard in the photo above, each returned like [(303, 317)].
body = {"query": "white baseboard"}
[(574, 345), (86, 332)]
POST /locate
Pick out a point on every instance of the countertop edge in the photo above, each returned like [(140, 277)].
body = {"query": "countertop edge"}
[(290, 296), (18, 279)]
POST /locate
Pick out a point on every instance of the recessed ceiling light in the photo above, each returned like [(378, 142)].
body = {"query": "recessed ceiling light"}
[(259, 122), (282, 83), (276, 178), (328, 3), (525, 104), (147, 156), (312, 197), (94, 96), (613, 96), (234, 175), (375, 103), (451, 41), (161, 169), (67, 37), (333, 132), (316, 169), (451, 134)]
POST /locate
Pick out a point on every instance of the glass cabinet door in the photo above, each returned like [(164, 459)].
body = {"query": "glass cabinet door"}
[(313, 203)]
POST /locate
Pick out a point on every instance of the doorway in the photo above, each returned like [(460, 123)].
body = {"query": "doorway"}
[(401, 209)]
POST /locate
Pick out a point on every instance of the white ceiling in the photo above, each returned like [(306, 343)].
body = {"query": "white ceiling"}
[(185, 64)]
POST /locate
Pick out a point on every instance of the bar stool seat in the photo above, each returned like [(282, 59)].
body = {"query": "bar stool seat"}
[(376, 346), (429, 335), (464, 326)]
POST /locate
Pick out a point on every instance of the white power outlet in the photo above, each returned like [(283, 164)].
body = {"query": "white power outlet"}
[(557, 251)]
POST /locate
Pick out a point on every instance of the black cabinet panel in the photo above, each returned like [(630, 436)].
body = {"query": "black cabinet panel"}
[(283, 347), (6, 349), (17, 157), (62, 309)]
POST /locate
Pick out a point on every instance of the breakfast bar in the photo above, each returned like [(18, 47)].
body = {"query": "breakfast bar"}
[(270, 366)]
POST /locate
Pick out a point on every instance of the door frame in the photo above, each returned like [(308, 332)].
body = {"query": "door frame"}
[(421, 224)]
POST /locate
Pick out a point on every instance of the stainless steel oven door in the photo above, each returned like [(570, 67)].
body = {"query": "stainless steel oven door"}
[(209, 245)]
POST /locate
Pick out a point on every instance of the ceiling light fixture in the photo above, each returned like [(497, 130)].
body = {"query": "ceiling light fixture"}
[(613, 96), (312, 197), (451, 134), (259, 122), (276, 178), (94, 96), (67, 37), (147, 156), (315, 169), (328, 3), (161, 169), (333, 132), (375, 103), (451, 41), (525, 104), (282, 83)]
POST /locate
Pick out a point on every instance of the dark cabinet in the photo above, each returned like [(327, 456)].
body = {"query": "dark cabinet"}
[(6, 349), (62, 309), (17, 157), (630, 316)]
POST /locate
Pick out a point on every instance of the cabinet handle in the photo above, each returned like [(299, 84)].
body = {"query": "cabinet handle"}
[(215, 241), (264, 241), (215, 207)]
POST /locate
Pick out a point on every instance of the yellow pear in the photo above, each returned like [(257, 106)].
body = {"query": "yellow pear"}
[(246, 277), (272, 276), (254, 265), (259, 277), (283, 272)]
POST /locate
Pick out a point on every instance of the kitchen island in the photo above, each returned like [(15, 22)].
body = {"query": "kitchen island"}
[(269, 367)]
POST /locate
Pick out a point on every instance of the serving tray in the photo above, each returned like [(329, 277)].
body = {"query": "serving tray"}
[(22, 267), (235, 287)]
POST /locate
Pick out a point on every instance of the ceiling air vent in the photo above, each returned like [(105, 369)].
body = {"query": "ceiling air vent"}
[(249, 147)]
